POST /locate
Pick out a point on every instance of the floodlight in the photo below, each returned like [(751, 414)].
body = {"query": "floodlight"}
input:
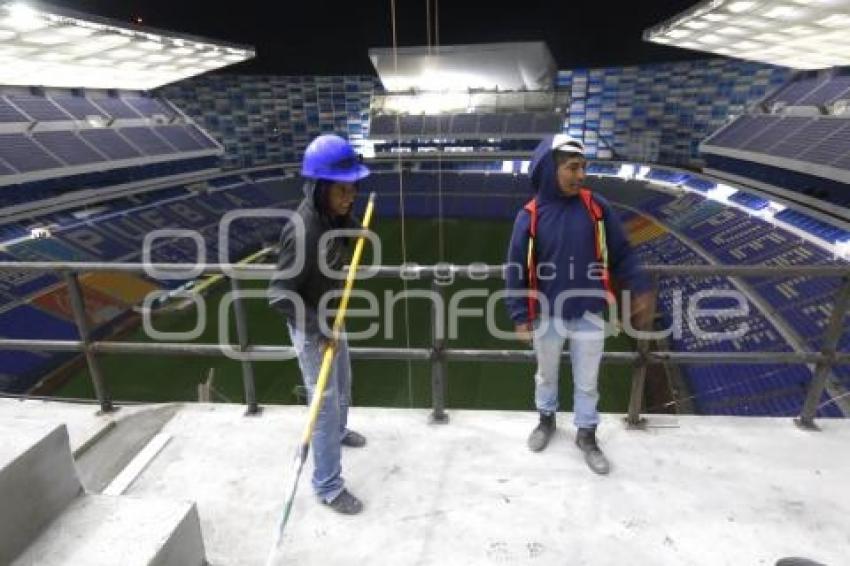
[(818, 35), (50, 46)]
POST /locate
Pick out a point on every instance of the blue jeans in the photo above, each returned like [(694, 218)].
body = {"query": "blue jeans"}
[(333, 415), (587, 342)]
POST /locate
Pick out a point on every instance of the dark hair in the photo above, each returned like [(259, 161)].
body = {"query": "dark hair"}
[(562, 157)]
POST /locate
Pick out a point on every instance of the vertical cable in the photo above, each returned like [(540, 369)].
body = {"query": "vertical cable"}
[(401, 214), (428, 24), (441, 240), (437, 23)]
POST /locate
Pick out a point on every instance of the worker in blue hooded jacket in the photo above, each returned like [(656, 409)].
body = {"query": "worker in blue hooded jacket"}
[(567, 249)]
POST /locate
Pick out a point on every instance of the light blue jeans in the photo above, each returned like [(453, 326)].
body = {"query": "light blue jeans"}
[(587, 342), (333, 415)]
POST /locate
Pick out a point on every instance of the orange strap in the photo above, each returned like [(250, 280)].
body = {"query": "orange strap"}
[(531, 259)]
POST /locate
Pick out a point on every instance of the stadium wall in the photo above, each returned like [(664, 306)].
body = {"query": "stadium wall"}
[(651, 113), (660, 113), (264, 120)]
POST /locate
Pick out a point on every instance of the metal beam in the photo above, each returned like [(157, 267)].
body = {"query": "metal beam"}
[(831, 336), (78, 306), (418, 354), (414, 271)]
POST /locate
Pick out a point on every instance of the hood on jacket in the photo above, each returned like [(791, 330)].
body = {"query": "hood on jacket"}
[(543, 171), (315, 191)]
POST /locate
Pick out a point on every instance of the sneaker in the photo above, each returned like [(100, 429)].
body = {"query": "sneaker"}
[(345, 503), (596, 460), (353, 439), (539, 437)]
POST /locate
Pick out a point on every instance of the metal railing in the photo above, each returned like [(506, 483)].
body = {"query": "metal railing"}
[(437, 354)]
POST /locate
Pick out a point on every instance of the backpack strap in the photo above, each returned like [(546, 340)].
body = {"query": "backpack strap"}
[(597, 216), (531, 259)]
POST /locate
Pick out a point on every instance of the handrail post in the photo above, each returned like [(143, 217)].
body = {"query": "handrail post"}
[(78, 307), (248, 381), (634, 420), (830, 342), (439, 363)]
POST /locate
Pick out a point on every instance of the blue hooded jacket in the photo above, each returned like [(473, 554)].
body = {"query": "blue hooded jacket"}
[(566, 240)]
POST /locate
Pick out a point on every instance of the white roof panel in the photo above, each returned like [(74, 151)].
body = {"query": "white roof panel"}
[(451, 68), (48, 46), (802, 34)]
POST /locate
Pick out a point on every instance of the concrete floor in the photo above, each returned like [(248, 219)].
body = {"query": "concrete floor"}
[(687, 490)]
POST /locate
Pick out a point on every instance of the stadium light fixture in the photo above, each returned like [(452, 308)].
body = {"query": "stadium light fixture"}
[(132, 65), (43, 45), (73, 31), (21, 18), (771, 37), (124, 53), (783, 13), (151, 46), (159, 58), (816, 30), (711, 39), (800, 30), (42, 37), (731, 30), (738, 7), (53, 56)]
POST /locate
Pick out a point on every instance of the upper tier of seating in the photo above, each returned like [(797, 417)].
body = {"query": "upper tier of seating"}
[(824, 140), (16, 107), (798, 139), (38, 151), (814, 91), (65, 133)]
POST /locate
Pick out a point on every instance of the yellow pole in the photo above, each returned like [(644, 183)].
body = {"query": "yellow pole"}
[(327, 360), (210, 281)]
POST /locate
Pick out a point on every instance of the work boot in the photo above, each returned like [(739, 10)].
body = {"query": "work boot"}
[(353, 439), (345, 503), (539, 437), (586, 442)]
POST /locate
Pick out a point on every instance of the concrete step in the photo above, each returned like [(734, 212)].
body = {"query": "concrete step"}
[(38, 481), (101, 530)]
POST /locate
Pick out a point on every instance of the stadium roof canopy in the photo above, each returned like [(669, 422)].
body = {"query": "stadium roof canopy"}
[(49, 46), (460, 68), (802, 34)]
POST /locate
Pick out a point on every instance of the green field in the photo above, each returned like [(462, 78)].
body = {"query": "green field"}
[(483, 385)]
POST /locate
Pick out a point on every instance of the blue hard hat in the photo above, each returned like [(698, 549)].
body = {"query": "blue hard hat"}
[(331, 157)]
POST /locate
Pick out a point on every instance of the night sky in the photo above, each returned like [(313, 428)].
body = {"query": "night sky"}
[(322, 37)]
